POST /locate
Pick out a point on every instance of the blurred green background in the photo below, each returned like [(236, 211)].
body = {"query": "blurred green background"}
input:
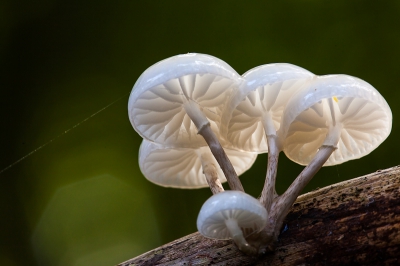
[(81, 200)]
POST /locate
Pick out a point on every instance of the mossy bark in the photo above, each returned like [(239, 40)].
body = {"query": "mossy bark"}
[(356, 222)]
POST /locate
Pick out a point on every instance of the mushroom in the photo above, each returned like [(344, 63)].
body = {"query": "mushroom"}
[(335, 119), (252, 119), (180, 97), (232, 214), (184, 167)]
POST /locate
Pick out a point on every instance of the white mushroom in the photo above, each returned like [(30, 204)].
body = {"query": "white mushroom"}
[(232, 214), (255, 111), (335, 110), (335, 119), (252, 119), (180, 97), (188, 167)]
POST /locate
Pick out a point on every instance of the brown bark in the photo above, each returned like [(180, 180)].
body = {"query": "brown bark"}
[(356, 222)]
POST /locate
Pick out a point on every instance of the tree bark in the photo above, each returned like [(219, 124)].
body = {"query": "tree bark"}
[(355, 222)]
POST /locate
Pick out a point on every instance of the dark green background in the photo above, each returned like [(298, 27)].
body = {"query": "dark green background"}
[(81, 200)]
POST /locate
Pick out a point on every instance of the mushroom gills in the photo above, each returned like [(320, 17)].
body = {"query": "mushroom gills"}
[(232, 215), (237, 236), (188, 168)]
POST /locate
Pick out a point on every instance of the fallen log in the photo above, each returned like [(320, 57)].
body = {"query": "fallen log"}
[(355, 222)]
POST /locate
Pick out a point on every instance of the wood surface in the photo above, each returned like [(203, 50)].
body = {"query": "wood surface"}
[(355, 222)]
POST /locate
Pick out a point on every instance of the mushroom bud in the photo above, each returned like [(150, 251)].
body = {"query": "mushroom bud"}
[(232, 215), (180, 97)]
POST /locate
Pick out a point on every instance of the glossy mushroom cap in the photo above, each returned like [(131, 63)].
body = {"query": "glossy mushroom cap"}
[(257, 107), (162, 95), (182, 167), (250, 215), (360, 114)]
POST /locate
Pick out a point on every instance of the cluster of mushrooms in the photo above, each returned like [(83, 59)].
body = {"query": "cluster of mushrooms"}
[(204, 124)]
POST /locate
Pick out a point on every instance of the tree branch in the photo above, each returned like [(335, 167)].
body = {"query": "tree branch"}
[(352, 222)]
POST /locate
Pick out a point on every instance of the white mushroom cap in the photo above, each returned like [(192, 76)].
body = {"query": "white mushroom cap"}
[(261, 101), (156, 104), (250, 215), (182, 167), (361, 113)]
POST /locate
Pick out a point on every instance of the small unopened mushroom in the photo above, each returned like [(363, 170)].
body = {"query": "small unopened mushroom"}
[(232, 215), (188, 167), (335, 119), (180, 97), (252, 118)]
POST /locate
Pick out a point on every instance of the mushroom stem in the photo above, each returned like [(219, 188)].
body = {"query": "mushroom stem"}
[(284, 202), (213, 180), (221, 157), (210, 171), (204, 129), (281, 205), (237, 236), (268, 193)]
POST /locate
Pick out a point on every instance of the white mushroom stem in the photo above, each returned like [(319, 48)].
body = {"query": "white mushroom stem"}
[(237, 236), (286, 200), (204, 129), (283, 203), (210, 171), (268, 193)]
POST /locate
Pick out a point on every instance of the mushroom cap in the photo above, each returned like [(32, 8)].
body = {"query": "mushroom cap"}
[(363, 114), (246, 210), (156, 104), (265, 91), (182, 167)]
